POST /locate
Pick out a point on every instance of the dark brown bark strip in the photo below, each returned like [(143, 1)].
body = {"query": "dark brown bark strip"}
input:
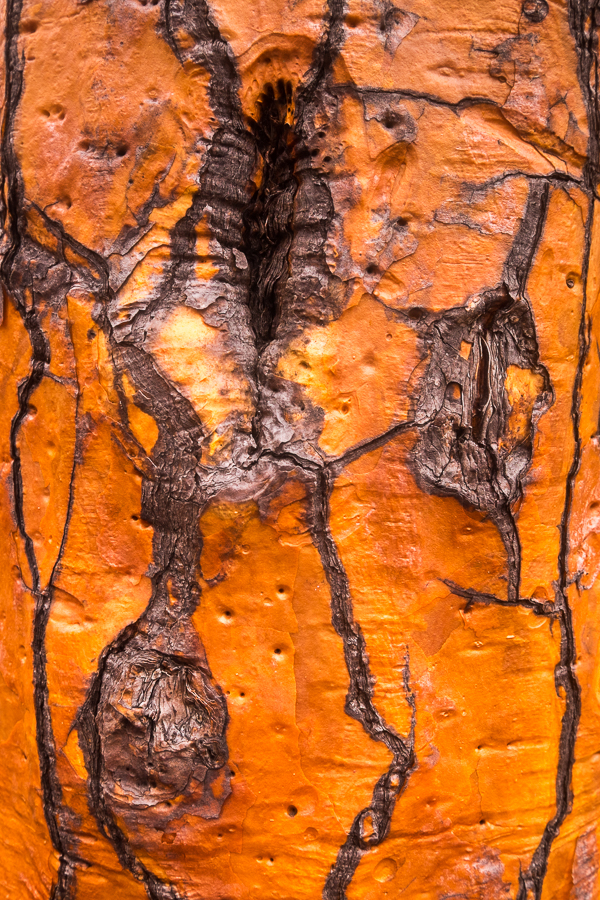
[(459, 453), (583, 20), (372, 824), (15, 278)]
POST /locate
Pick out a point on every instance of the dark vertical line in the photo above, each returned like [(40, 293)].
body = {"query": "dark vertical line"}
[(12, 201), (516, 275), (12, 193), (211, 50), (371, 825), (324, 56), (522, 253), (504, 521), (582, 15), (565, 673)]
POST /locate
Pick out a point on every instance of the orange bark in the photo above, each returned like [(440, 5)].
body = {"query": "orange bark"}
[(300, 474)]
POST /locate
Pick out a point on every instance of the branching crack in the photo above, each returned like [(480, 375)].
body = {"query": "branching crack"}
[(372, 824), (153, 701)]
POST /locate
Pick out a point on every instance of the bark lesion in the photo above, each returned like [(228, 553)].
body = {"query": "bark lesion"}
[(268, 218), (465, 449)]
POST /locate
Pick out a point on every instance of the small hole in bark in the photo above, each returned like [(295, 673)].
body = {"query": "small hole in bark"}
[(482, 821), (292, 811), (415, 314), (353, 21), (135, 518), (122, 149), (29, 26), (227, 612), (84, 145), (91, 334), (320, 134), (242, 694), (326, 159), (401, 223), (570, 283), (390, 119), (314, 152), (371, 269), (278, 650)]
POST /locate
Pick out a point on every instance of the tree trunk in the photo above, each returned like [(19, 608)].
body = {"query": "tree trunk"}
[(300, 471)]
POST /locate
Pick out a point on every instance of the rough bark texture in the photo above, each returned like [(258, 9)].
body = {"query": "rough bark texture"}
[(299, 450)]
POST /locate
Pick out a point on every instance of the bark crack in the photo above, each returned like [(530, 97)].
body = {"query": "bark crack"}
[(372, 824), (11, 205), (280, 226)]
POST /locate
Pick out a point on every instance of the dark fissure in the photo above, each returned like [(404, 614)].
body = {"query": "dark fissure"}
[(17, 258), (267, 236), (372, 824)]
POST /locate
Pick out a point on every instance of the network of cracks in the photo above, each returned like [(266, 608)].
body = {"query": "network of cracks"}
[(155, 720)]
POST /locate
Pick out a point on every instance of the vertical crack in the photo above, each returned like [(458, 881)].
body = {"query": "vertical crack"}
[(153, 725), (372, 824), (583, 21), (324, 56), (23, 295), (269, 215), (441, 466)]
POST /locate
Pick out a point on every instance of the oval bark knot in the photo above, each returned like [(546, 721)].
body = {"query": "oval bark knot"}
[(161, 725)]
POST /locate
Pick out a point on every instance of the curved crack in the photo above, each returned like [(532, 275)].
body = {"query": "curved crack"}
[(372, 824), (11, 210)]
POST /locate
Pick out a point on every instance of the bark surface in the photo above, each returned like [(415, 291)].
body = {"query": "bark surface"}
[(299, 453)]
